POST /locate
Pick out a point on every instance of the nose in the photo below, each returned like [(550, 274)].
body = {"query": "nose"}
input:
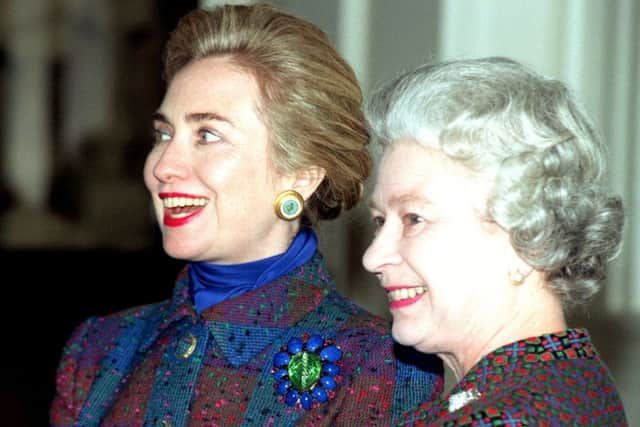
[(172, 162), (382, 253)]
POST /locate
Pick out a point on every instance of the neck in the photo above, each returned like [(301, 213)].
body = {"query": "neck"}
[(537, 312)]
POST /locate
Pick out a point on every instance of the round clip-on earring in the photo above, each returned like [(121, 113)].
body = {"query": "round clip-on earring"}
[(516, 277), (289, 205)]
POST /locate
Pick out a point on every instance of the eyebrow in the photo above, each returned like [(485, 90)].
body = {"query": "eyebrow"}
[(194, 117), (400, 199)]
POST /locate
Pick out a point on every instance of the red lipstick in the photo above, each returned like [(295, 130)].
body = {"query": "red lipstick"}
[(181, 213)]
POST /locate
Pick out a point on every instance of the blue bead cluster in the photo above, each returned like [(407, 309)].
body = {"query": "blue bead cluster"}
[(322, 390)]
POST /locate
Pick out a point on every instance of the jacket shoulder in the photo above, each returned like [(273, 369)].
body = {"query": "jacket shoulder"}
[(87, 346)]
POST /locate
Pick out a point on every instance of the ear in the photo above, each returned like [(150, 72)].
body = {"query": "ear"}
[(519, 270), (306, 181)]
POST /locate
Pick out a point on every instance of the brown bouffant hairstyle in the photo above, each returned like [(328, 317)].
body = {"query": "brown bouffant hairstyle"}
[(311, 101)]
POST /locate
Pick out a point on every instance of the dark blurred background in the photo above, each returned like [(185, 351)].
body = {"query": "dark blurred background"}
[(79, 80), (85, 244)]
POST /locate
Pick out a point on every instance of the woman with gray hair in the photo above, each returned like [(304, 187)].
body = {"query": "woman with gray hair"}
[(492, 220)]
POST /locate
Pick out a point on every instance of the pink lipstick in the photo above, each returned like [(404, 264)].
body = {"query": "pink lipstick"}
[(403, 296)]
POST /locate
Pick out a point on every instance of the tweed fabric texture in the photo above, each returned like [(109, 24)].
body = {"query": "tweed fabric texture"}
[(162, 364), (550, 380)]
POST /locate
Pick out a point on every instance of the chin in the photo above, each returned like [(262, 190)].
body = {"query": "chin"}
[(177, 250), (176, 254), (405, 334)]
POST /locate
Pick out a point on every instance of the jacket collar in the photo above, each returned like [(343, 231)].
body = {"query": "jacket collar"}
[(518, 359), (245, 325)]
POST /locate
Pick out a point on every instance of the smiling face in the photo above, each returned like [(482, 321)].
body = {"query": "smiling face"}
[(443, 265), (209, 173)]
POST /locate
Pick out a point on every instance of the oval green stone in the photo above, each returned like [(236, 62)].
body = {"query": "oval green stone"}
[(304, 370), (290, 207)]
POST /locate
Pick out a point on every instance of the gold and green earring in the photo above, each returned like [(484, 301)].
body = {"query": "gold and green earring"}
[(289, 205)]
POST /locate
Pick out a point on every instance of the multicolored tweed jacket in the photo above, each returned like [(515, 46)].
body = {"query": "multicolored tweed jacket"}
[(550, 380), (255, 360)]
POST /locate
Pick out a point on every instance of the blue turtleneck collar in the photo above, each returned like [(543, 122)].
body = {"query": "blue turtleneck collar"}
[(214, 283)]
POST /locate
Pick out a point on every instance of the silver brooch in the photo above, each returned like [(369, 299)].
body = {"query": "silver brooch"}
[(458, 400)]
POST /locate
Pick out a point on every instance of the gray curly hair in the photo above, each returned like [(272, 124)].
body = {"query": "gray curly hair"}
[(499, 118)]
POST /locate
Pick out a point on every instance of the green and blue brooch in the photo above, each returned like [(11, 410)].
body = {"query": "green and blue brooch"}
[(307, 371)]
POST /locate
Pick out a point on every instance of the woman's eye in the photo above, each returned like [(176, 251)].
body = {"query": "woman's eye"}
[(412, 219), (207, 136), (160, 135), (412, 223), (378, 223)]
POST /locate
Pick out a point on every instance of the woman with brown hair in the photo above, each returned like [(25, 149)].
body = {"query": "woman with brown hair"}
[(259, 136)]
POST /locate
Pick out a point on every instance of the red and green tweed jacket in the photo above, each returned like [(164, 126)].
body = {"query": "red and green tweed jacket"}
[(550, 380), (293, 352)]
